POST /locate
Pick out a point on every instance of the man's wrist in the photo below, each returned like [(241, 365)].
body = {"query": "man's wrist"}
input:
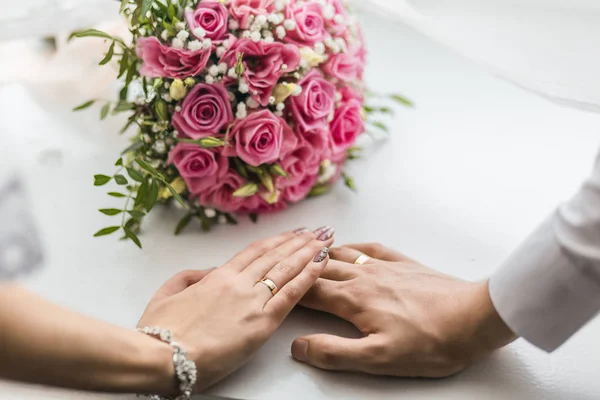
[(490, 332)]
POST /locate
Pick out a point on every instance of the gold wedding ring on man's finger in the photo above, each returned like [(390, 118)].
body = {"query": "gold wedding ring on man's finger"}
[(362, 259), (270, 284)]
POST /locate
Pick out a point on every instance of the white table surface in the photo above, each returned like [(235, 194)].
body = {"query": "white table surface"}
[(462, 180)]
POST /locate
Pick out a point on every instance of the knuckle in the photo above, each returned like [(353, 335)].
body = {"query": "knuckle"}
[(260, 246), (283, 267)]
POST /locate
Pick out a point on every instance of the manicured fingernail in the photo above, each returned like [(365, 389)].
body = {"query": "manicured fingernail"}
[(300, 350), (321, 229), (326, 235), (322, 255), (300, 231)]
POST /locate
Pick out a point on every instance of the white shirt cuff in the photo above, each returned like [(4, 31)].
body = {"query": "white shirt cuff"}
[(545, 293)]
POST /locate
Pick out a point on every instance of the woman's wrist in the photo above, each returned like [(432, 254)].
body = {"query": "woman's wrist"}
[(153, 371)]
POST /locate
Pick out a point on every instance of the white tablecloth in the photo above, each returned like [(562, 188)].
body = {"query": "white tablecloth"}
[(474, 151)]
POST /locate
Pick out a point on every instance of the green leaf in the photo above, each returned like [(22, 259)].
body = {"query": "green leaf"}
[(381, 126), (133, 237), (151, 196), (171, 11), (123, 5), (150, 169), (267, 180), (402, 100), (101, 180), (136, 16), (141, 194), (146, 5), (134, 146), (85, 105), (131, 73), (91, 33), (247, 190), (318, 190), (239, 66), (123, 106), (104, 111), (277, 170), (119, 162), (205, 142), (175, 194), (230, 219), (160, 107), (349, 182), (110, 211), (158, 82), (109, 54), (116, 194), (135, 175), (107, 231), (136, 214), (121, 180), (254, 218), (240, 168), (124, 64), (183, 223), (205, 224)]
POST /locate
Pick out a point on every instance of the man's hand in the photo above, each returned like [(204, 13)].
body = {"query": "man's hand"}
[(416, 322)]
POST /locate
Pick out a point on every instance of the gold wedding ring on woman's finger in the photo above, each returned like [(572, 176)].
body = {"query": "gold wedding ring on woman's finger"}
[(362, 259), (270, 284)]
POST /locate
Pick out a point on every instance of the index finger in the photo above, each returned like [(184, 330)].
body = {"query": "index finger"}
[(291, 293)]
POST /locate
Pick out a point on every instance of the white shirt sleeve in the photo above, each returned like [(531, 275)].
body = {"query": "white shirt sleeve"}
[(550, 286)]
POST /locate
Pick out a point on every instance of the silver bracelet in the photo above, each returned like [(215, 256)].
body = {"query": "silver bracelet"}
[(185, 369)]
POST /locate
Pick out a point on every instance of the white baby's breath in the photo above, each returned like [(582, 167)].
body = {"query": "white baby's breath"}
[(199, 32), (183, 35), (194, 45), (177, 43)]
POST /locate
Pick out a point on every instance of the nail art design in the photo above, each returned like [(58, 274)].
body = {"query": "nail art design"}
[(322, 255), (318, 231), (300, 231), (326, 235)]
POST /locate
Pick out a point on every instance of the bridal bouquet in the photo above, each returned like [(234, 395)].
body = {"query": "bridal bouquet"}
[(240, 106)]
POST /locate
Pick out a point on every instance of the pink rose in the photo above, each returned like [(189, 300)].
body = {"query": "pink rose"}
[(337, 28), (349, 93), (298, 164), (262, 62), (303, 168), (160, 61), (204, 111), (298, 192), (314, 105), (346, 126), (347, 67), (210, 15), (261, 138), (320, 142), (310, 27), (262, 207), (221, 196), (200, 168), (242, 9)]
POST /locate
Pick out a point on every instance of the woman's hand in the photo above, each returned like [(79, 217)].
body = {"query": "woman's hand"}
[(416, 321), (223, 317)]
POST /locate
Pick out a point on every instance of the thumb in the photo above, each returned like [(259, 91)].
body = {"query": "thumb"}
[(331, 352)]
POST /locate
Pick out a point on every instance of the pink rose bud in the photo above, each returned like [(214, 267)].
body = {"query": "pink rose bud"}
[(211, 16)]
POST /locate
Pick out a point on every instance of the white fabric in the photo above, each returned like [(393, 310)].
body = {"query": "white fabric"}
[(548, 46), (37, 18)]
